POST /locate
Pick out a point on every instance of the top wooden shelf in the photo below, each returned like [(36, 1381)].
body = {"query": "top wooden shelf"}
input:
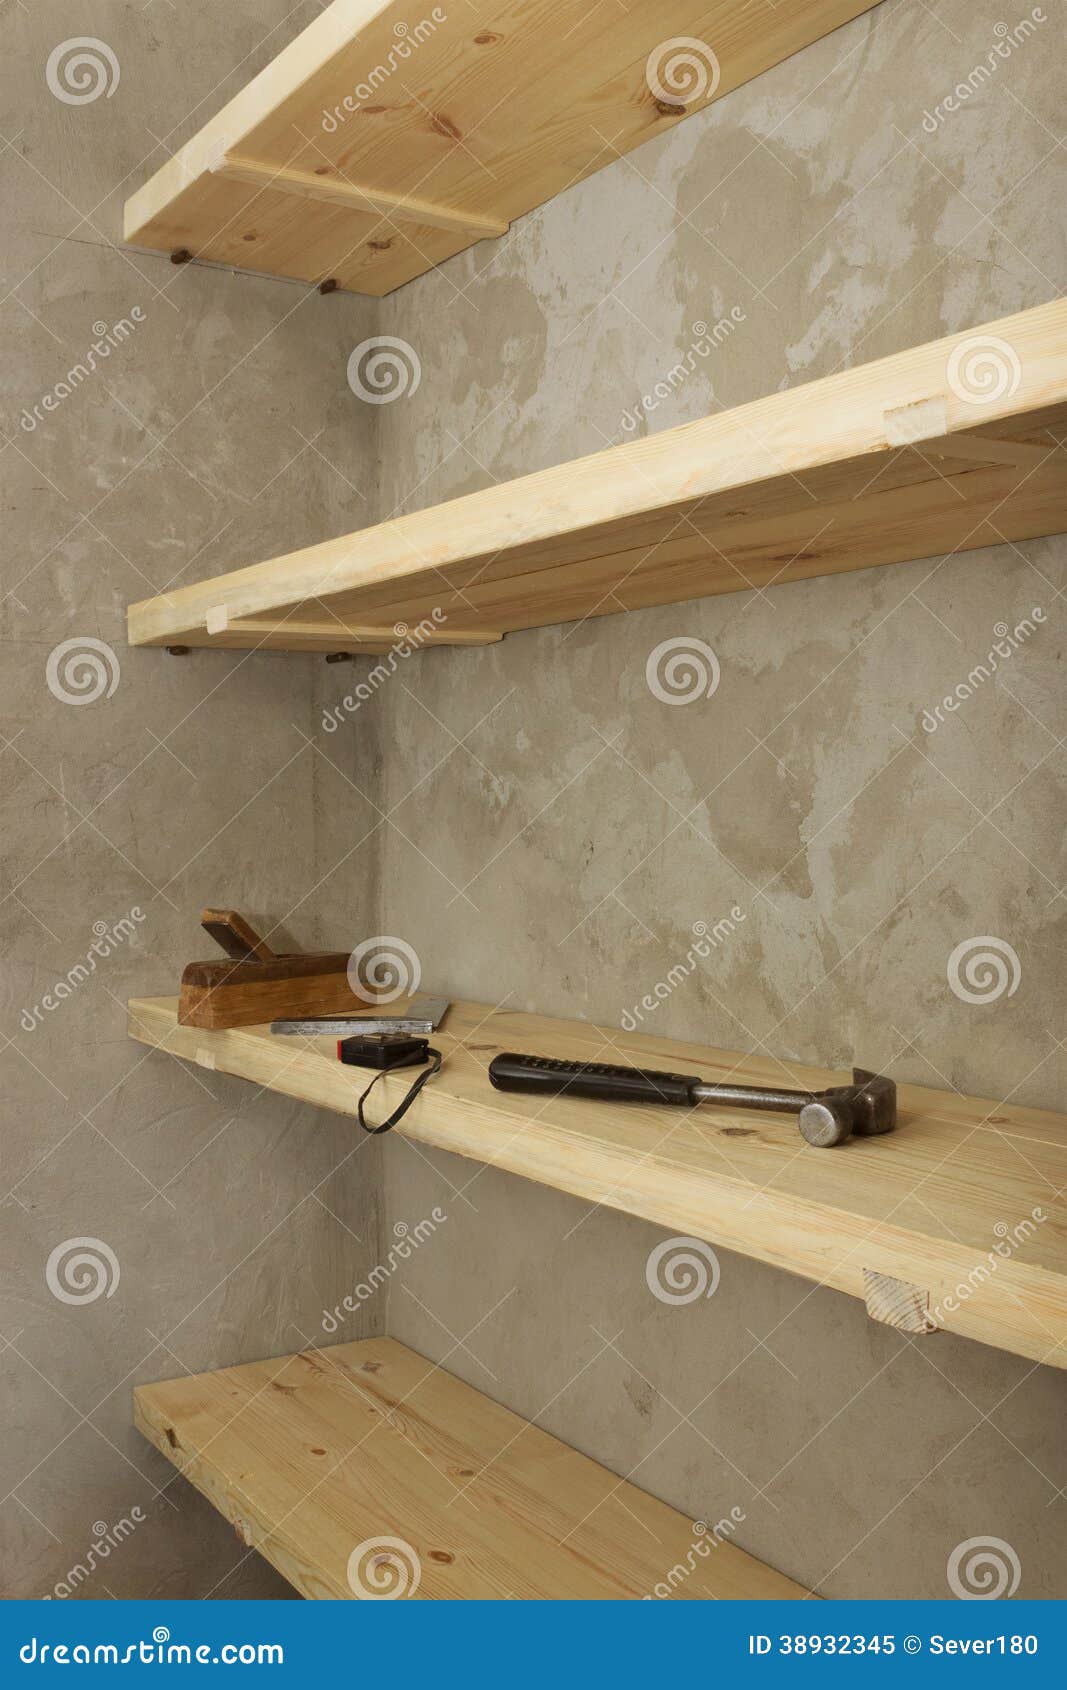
[(959, 1213), (940, 448), (380, 143)]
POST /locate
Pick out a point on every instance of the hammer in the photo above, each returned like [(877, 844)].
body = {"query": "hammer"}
[(867, 1107)]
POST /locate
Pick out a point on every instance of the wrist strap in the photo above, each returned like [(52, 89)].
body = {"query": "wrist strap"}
[(403, 1107)]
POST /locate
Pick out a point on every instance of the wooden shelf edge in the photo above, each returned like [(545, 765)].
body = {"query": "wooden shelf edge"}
[(308, 124), (760, 1194), (973, 474), (310, 1459)]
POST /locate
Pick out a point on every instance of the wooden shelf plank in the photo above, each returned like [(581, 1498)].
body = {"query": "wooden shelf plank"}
[(879, 464), (964, 1203), (311, 1456), (373, 148)]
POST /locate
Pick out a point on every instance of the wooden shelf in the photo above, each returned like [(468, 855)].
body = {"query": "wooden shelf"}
[(313, 1456), (930, 1205), (463, 120), (874, 465)]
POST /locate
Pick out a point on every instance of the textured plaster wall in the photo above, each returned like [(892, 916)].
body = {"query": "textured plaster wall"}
[(558, 856), (233, 1217)]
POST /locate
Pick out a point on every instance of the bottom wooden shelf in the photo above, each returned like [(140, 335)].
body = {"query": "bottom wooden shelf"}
[(364, 1470)]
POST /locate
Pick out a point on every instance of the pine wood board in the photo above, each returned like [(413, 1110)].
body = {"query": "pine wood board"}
[(311, 1456), (931, 1205), (465, 120), (874, 465)]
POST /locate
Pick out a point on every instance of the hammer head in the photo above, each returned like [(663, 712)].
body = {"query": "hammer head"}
[(866, 1107), (874, 1108)]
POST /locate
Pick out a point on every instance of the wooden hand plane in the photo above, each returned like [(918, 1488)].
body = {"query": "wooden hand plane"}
[(254, 984)]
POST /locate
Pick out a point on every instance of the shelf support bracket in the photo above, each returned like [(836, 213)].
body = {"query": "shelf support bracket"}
[(897, 1303), (402, 208)]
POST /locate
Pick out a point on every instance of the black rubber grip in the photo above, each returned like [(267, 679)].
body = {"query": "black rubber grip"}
[(599, 1080)]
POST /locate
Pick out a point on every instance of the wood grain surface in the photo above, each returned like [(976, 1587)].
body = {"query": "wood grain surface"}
[(964, 1201), (314, 1457)]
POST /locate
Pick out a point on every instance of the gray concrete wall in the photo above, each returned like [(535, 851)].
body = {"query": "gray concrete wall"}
[(218, 429), (559, 858)]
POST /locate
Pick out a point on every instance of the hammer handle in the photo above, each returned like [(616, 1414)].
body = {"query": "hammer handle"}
[(544, 1076), (754, 1097)]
